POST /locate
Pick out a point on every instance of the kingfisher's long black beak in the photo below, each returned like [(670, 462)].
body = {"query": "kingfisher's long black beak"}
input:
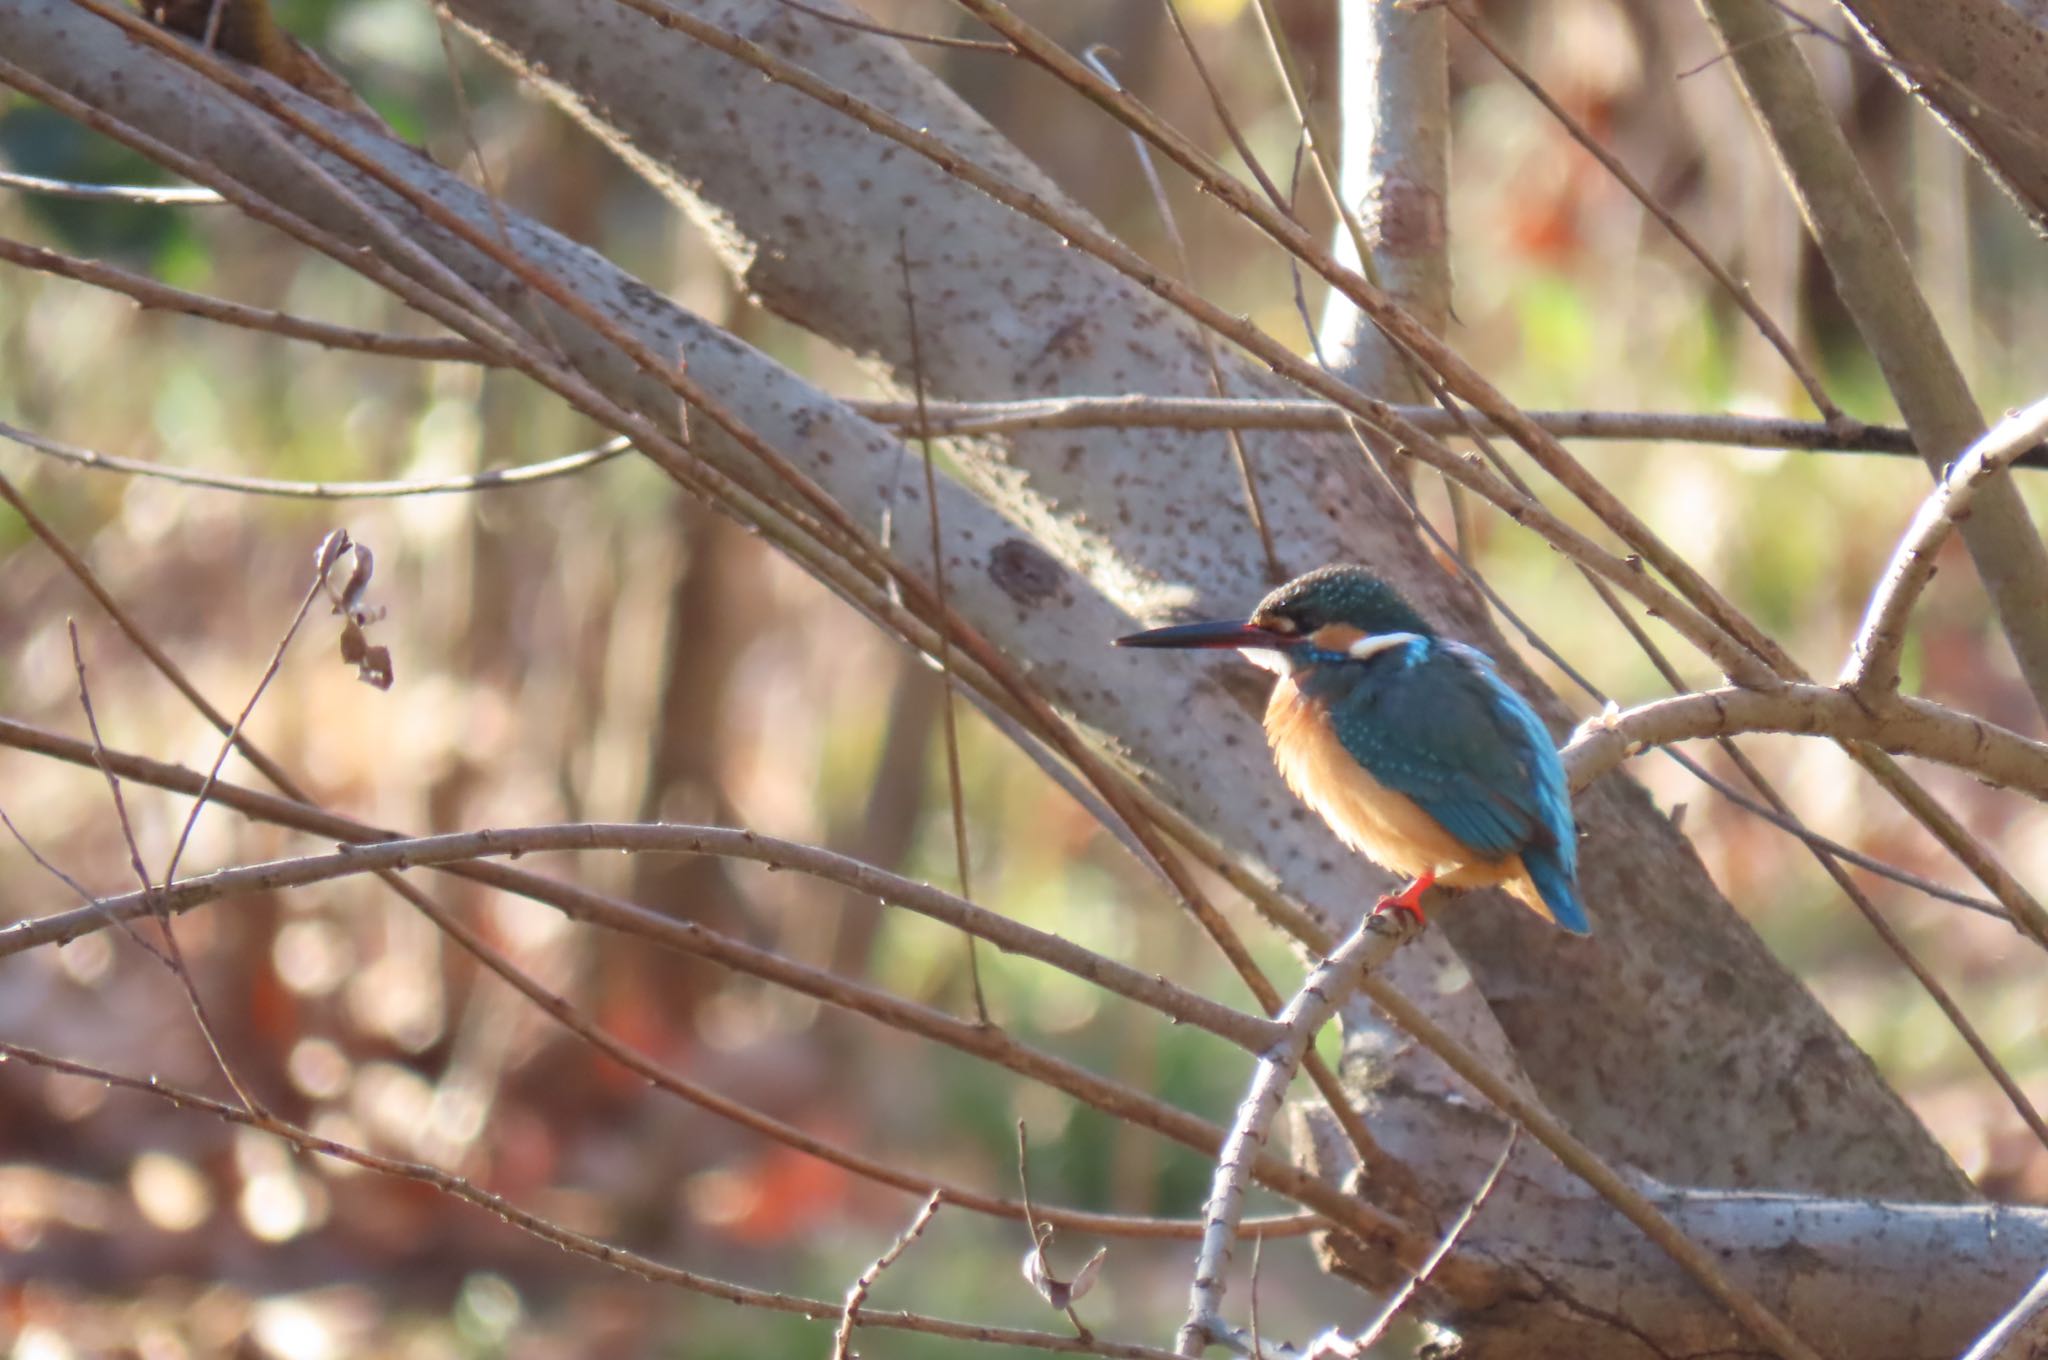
[(1221, 633)]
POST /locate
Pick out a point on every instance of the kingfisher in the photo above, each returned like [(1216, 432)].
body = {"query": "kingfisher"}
[(1409, 744)]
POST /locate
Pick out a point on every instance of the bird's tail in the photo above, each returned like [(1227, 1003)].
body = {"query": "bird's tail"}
[(1550, 891)]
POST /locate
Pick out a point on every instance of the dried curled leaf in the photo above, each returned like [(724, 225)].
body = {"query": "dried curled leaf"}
[(329, 552), (1061, 1294), (372, 663)]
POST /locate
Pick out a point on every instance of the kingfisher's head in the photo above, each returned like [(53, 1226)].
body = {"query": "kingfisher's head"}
[(1333, 614)]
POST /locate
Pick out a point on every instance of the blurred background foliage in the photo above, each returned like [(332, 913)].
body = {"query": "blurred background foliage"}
[(598, 648)]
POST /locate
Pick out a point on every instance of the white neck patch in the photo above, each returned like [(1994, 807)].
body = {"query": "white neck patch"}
[(1372, 644)]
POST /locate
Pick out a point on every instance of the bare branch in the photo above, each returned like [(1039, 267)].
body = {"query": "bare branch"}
[(1873, 665), (493, 479), (955, 795), (163, 297), (857, 1295), (1139, 411), (619, 1258), (1249, 1032), (1367, 948), (152, 195), (1903, 725), (1876, 283)]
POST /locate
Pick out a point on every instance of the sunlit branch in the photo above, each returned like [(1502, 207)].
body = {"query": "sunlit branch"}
[(1904, 726), (1873, 665), (147, 195), (1368, 947)]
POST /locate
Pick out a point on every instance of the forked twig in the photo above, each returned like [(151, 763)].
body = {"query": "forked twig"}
[(857, 1295), (1367, 948), (170, 956)]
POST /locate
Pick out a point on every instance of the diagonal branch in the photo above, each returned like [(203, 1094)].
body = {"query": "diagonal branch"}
[(1873, 666), (1365, 950), (162, 297), (1875, 280)]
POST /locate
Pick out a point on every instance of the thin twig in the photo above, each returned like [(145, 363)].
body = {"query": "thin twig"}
[(162, 297), (1322, 148), (1356, 1346), (955, 793), (1184, 263), (569, 1240), (368, 853), (322, 565), (1736, 289), (2020, 1333), (842, 1340), (28, 847), (491, 479)]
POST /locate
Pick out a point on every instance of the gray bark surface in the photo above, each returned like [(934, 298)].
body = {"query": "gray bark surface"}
[(1980, 64)]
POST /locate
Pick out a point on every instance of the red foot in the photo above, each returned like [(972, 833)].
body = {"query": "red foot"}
[(1409, 899)]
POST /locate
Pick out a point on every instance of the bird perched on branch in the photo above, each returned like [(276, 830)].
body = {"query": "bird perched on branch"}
[(1408, 744)]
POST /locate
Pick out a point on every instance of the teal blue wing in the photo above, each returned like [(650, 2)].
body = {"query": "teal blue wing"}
[(1432, 721)]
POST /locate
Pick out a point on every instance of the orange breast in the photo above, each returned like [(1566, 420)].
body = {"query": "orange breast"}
[(1384, 826)]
